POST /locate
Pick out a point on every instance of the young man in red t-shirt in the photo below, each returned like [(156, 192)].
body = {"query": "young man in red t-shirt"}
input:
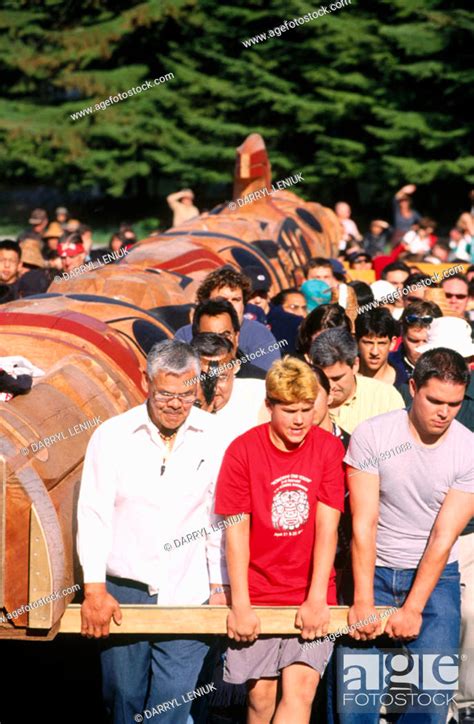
[(286, 477)]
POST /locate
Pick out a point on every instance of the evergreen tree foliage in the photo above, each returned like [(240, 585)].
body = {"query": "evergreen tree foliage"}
[(375, 94)]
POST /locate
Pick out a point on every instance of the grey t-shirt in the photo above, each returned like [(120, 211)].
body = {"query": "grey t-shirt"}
[(414, 481)]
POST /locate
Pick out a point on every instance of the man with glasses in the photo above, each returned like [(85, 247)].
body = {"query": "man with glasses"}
[(456, 290), (145, 535)]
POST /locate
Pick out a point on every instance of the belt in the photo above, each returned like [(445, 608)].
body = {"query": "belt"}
[(128, 582)]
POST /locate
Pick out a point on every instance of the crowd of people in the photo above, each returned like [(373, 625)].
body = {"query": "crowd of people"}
[(48, 248), (319, 447), (329, 425)]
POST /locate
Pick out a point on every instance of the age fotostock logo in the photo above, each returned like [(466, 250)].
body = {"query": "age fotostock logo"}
[(396, 680)]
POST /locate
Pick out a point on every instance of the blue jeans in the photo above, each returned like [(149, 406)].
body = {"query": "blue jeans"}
[(439, 634), (139, 674)]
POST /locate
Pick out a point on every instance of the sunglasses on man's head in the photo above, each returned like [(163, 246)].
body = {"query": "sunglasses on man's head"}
[(450, 295), (415, 318)]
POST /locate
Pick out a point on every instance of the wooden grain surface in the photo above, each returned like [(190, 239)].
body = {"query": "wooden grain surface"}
[(200, 619)]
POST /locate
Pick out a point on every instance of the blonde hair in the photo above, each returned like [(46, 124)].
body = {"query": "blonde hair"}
[(290, 380)]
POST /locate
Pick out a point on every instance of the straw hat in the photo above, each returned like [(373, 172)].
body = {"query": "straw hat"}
[(53, 231), (31, 254)]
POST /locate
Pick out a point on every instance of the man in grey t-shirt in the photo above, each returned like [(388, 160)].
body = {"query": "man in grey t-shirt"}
[(411, 483)]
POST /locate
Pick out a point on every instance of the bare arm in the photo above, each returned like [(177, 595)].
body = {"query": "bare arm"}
[(242, 622), (406, 190), (364, 497), (454, 515), (313, 615), (174, 199)]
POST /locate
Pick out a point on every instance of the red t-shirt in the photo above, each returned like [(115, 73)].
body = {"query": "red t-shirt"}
[(280, 490)]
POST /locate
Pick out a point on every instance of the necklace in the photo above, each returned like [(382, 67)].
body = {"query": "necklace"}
[(167, 438)]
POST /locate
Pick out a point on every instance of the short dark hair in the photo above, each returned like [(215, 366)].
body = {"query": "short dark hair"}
[(442, 364), (425, 222), (317, 261), (332, 346), (326, 316), (363, 292), (226, 276), (280, 298), (208, 344), (462, 277), (10, 245), (120, 236), (376, 322), (322, 379), (416, 278), (419, 309), (395, 266), (214, 307), (443, 243)]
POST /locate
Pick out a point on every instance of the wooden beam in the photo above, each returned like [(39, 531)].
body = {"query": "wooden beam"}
[(200, 619)]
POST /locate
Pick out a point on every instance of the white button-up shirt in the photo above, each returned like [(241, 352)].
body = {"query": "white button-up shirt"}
[(132, 520)]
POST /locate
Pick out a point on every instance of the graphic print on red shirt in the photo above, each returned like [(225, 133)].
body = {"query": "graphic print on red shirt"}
[(281, 490)]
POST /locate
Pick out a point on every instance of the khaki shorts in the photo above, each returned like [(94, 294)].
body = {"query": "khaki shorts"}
[(266, 657)]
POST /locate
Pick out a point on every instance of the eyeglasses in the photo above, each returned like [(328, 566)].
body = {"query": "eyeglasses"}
[(413, 299), (187, 398), (414, 318), (449, 295)]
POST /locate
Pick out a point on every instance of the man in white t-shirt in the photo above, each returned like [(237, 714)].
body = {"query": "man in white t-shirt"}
[(411, 484)]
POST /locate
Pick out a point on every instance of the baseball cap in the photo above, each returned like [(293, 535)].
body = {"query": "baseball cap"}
[(61, 210), (70, 249), (358, 256), (382, 289), (337, 266), (316, 292), (259, 278), (451, 332), (38, 216)]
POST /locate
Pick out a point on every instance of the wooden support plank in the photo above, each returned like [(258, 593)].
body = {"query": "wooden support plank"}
[(40, 574), (200, 619)]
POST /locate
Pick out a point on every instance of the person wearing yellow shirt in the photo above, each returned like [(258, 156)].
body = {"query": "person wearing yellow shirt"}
[(354, 398)]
